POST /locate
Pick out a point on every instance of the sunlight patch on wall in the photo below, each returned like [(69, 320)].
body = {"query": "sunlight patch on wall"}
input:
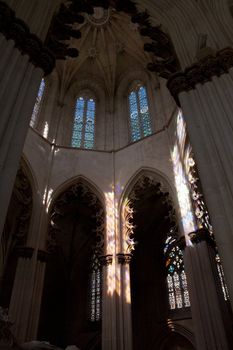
[(182, 187)]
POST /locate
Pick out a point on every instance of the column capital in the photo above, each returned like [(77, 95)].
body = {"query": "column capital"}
[(106, 260), (25, 252), (42, 255), (26, 42), (202, 235), (124, 258), (200, 72)]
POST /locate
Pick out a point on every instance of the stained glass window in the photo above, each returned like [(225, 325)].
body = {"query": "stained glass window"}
[(95, 289), (178, 294), (84, 123), (140, 121), (37, 105)]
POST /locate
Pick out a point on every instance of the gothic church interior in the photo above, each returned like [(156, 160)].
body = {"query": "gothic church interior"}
[(116, 160)]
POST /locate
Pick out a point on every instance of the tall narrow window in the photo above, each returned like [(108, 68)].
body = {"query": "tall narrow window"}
[(140, 121), (176, 278), (95, 289), (84, 123), (37, 105)]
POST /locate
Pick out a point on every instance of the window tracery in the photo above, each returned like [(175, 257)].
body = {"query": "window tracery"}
[(140, 121), (178, 293), (200, 210), (95, 289), (37, 105), (84, 123)]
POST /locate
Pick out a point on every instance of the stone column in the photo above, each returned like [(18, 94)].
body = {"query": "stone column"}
[(207, 312), (23, 62), (37, 293), (24, 309), (108, 309), (205, 93), (21, 296), (125, 302)]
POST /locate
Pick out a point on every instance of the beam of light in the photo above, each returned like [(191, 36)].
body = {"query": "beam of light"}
[(186, 211), (46, 130), (127, 284), (47, 196)]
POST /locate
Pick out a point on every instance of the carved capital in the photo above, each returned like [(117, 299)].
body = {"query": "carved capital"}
[(106, 260), (202, 235), (27, 43), (201, 72), (124, 258), (42, 255), (25, 252)]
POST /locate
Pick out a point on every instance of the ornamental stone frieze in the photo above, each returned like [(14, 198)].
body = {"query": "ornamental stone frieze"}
[(27, 43), (201, 72), (124, 258)]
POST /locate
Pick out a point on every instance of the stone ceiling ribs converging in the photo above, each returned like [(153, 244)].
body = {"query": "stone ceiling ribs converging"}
[(71, 23)]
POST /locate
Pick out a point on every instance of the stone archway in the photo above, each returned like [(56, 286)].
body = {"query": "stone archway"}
[(152, 218), (76, 234), (176, 341)]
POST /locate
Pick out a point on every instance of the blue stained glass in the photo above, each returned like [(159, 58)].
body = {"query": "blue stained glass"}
[(84, 123), (144, 110), (37, 104), (134, 117), (139, 114)]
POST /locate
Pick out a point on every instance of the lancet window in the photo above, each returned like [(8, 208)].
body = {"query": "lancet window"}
[(83, 133), (37, 105), (178, 293), (95, 289), (140, 122)]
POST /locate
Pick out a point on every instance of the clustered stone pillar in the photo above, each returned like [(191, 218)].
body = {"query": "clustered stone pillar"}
[(206, 306), (23, 62), (125, 301), (26, 295), (108, 319), (205, 93)]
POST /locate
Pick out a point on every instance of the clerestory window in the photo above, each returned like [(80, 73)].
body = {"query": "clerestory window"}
[(37, 105), (140, 122), (83, 133)]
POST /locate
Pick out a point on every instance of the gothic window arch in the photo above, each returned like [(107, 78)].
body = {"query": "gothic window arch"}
[(37, 106), (83, 131), (139, 115), (178, 293)]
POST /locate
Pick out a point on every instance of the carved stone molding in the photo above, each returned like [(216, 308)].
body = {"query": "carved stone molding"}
[(124, 258), (27, 43), (106, 260), (200, 72)]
